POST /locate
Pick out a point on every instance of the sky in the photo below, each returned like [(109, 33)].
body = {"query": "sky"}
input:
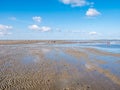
[(59, 19)]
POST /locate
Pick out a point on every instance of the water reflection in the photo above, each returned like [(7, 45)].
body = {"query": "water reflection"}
[(29, 60)]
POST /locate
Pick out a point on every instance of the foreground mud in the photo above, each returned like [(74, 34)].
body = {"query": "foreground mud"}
[(44, 67)]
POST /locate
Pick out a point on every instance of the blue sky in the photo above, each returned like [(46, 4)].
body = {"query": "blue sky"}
[(60, 19)]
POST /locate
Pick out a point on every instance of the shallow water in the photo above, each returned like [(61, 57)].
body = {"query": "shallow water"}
[(115, 48), (58, 55), (58, 67), (110, 63), (28, 59)]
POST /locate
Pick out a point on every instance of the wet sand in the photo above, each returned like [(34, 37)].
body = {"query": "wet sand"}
[(42, 67)]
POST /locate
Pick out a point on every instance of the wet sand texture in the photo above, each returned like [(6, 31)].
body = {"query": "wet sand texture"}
[(55, 68)]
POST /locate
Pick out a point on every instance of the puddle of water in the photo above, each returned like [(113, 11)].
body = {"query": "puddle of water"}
[(29, 60), (88, 66), (114, 48), (60, 55), (45, 50), (7, 64), (111, 64), (108, 49)]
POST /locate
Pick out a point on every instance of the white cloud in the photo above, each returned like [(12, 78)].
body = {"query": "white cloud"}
[(45, 28), (4, 29), (5, 33), (92, 12), (42, 29), (34, 27), (93, 33), (37, 19), (75, 3)]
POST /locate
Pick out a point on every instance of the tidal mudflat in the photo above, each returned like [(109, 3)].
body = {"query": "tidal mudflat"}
[(50, 66)]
